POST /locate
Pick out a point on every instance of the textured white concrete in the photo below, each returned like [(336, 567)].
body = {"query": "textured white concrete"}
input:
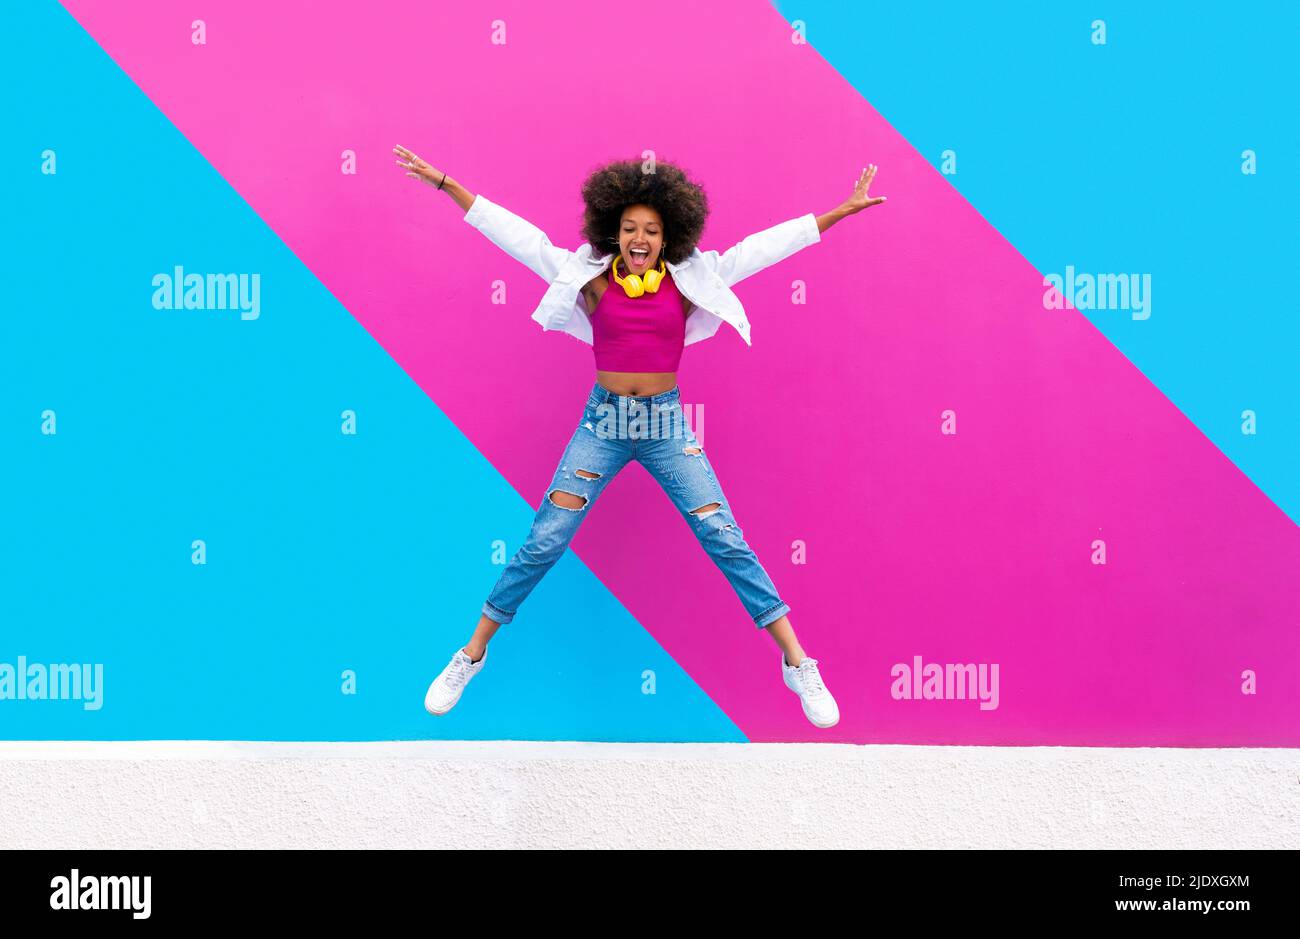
[(523, 794)]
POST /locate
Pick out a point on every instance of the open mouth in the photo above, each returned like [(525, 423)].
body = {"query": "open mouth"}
[(639, 256)]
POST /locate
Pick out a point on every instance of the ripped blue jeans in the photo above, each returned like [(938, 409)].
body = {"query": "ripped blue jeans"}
[(652, 430)]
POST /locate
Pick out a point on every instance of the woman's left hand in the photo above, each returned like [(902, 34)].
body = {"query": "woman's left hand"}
[(860, 200)]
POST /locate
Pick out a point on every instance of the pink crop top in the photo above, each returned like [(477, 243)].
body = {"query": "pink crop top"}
[(639, 334)]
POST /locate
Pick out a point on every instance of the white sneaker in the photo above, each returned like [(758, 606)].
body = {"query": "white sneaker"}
[(805, 681), (447, 687)]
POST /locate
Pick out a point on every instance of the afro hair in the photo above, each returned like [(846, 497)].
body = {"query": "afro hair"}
[(680, 202)]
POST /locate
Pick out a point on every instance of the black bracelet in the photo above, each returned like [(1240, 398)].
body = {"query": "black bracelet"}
[(444, 179)]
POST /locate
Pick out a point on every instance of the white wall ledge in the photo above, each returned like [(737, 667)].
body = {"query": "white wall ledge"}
[(539, 794)]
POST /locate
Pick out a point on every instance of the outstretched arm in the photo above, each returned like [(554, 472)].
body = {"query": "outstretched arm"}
[(765, 248), (517, 237)]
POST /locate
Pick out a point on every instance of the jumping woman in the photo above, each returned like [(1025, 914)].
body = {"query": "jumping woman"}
[(638, 291)]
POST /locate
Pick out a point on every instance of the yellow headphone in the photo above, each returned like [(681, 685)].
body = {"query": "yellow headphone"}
[(635, 285)]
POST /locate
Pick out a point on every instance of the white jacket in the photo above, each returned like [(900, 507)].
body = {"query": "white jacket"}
[(704, 278)]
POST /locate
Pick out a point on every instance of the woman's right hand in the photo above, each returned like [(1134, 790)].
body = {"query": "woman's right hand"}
[(417, 168)]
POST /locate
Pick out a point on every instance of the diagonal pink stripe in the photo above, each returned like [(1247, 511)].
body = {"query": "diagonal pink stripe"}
[(973, 548)]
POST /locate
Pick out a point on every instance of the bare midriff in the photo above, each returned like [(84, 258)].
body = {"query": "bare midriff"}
[(628, 383), (637, 383)]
